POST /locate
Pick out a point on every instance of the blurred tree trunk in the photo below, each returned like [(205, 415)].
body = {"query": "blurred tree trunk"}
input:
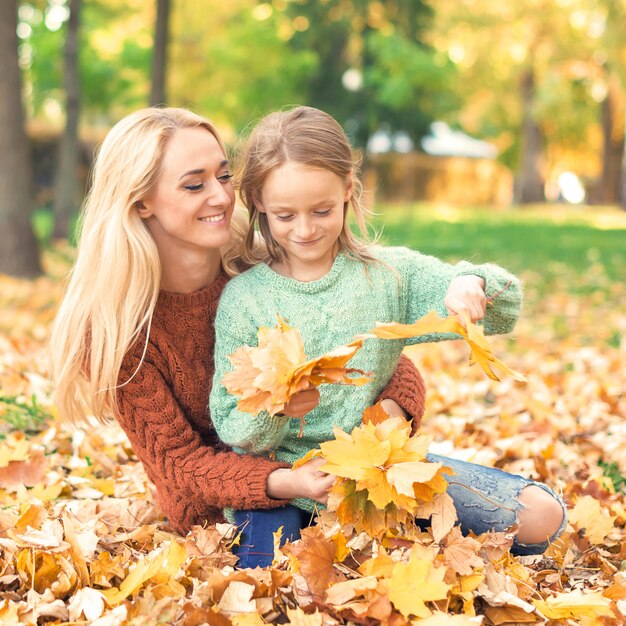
[(66, 188), (613, 151), (159, 58), (531, 180), (19, 255)]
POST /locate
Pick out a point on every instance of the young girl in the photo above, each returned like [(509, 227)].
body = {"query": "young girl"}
[(298, 181)]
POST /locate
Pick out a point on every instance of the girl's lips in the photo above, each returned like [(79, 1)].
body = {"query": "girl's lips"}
[(307, 243)]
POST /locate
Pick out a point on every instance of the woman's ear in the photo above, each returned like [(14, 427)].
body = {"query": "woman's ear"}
[(142, 209)]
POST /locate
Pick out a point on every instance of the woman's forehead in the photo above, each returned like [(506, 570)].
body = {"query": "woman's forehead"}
[(189, 149)]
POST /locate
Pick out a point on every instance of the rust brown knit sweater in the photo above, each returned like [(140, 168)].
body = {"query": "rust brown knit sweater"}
[(162, 409)]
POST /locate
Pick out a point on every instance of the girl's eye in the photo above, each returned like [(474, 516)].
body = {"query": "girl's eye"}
[(283, 218), (225, 177), (194, 187), (323, 213)]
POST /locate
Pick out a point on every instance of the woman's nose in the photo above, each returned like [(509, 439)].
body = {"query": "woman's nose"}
[(219, 193)]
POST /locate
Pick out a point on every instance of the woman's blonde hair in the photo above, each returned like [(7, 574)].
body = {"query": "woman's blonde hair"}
[(114, 284), (310, 137)]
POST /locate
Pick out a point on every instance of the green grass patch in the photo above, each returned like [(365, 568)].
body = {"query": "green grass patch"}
[(17, 413), (571, 248)]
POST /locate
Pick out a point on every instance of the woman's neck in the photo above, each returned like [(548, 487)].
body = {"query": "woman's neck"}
[(188, 272)]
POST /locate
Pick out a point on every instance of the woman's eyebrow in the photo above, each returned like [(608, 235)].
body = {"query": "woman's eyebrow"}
[(191, 172), (201, 170)]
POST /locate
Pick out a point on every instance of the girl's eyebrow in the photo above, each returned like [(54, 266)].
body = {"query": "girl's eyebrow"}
[(316, 205), (202, 170)]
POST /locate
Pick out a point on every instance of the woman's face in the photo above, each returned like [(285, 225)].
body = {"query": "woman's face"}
[(190, 207)]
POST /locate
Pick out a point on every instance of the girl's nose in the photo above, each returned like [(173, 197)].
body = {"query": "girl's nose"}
[(305, 228)]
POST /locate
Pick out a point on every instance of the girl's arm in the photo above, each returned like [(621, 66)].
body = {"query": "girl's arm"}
[(234, 328), (426, 281)]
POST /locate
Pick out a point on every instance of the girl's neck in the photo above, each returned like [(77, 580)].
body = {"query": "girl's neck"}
[(302, 271), (188, 272)]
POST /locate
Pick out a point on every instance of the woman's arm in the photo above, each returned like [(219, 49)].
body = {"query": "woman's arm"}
[(173, 452), (407, 389)]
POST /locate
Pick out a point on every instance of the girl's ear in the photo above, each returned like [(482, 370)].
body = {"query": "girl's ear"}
[(257, 202), (349, 188)]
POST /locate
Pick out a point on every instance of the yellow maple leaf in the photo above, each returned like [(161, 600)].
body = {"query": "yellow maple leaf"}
[(413, 584), (15, 448), (402, 476), (342, 592), (380, 566), (167, 561), (472, 333), (266, 377), (297, 617), (588, 514), (575, 604), (351, 456), (383, 474)]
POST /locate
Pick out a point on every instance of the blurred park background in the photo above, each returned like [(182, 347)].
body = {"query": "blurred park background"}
[(493, 128)]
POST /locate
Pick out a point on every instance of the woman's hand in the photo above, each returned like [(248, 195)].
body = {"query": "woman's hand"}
[(466, 295), (393, 409), (307, 481), (302, 403)]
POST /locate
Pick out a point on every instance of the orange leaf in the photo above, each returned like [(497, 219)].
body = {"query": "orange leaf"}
[(375, 414), (267, 376), (443, 515), (472, 333), (316, 559), (461, 553)]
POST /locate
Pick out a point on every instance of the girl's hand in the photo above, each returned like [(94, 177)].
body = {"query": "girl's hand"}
[(302, 403), (307, 481), (466, 294)]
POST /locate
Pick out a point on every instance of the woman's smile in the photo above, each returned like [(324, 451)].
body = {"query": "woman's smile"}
[(214, 219)]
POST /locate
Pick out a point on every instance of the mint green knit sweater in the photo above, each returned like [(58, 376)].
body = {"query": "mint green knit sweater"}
[(329, 312)]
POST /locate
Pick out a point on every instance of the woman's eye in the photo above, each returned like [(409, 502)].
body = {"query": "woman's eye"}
[(283, 218), (225, 177), (323, 213), (194, 187)]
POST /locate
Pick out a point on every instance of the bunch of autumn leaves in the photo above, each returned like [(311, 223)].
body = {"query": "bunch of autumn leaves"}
[(384, 478)]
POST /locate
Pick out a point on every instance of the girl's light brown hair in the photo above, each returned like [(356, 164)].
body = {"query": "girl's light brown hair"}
[(115, 282), (306, 136)]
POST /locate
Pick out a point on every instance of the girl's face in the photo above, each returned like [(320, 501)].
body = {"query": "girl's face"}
[(305, 213), (190, 207)]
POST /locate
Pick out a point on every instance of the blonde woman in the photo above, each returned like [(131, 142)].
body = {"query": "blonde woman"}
[(134, 336)]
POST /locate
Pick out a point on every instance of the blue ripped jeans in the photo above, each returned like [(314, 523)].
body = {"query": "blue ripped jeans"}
[(490, 503)]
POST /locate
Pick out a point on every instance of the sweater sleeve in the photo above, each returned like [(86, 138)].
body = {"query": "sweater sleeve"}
[(234, 328), (173, 452), (408, 389), (426, 279)]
